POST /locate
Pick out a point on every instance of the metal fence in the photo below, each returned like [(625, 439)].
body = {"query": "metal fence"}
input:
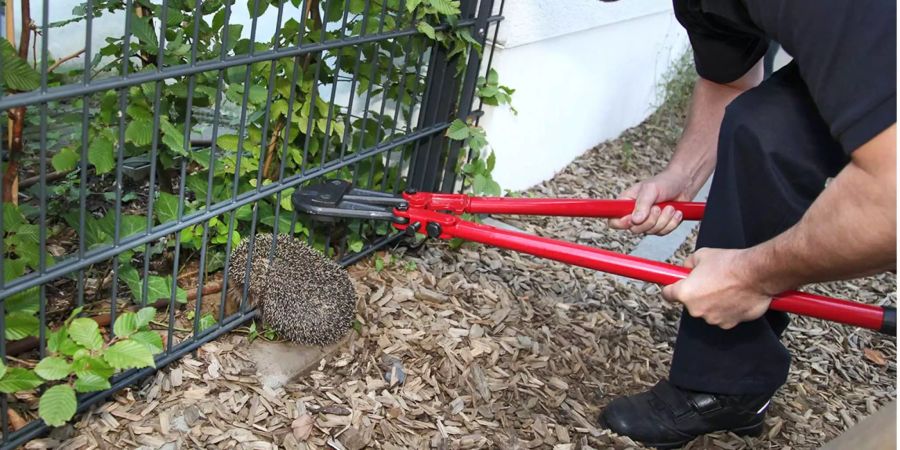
[(128, 179)]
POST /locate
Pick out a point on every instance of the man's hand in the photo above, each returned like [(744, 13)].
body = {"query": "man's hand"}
[(719, 289), (650, 219)]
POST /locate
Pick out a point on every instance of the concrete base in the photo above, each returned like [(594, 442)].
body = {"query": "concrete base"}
[(277, 363)]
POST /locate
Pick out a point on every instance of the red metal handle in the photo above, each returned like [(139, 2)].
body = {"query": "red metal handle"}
[(566, 207), (573, 207), (446, 226)]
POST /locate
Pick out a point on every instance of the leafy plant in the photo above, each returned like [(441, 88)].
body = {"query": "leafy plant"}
[(79, 360)]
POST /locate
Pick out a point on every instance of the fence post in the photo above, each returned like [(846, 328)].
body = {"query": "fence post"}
[(441, 93)]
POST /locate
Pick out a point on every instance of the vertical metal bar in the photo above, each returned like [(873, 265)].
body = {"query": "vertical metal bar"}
[(287, 132), (154, 147), (85, 113), (313, 96), (373, 61), (353, 79), (201, 270), (334, 86), (120, 151), (192, 81), (4, 414), (409, 117), (242, 133), (401, 89), (42, 190), (263, 143)]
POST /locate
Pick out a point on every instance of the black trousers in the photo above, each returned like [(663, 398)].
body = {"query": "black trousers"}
[(775, 153)]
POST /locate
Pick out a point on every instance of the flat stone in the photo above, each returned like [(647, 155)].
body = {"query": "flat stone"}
[(179, 424), (191, 415), (277, 363)]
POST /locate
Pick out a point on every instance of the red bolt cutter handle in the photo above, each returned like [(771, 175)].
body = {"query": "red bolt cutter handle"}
[(566, 207)]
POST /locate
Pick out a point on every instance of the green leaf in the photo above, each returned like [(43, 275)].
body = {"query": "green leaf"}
[(172, 137), (447, 7), (129, 354), (161, 287), (55, 339), (138, 110), (67, 159), (144, 316), (89, 365), (356, 246), (166, 208), (411, 5), (492, 77), (20, 325), (228, 142), (53, 368), (12, 217), (86, 332), (91, 382), (27, 301), (261, 6), (57, 405), (68, 347), (458, 130), (151, 339), (17, 379), (102, 154), (125, 325), (426, 28), (491, 162), (482, 184), (17, 73), (142, 29), (206, 321), (139, 132), (2, 369)]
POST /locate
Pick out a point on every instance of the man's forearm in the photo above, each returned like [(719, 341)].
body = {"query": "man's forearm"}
[(848, 232), (695, 155)]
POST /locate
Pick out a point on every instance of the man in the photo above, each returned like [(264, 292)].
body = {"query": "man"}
[(804, 191)]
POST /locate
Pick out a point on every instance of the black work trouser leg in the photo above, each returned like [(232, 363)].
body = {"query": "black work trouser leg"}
[(775, 154)]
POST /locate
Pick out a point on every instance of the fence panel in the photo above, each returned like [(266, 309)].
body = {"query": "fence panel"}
[(134, 164)]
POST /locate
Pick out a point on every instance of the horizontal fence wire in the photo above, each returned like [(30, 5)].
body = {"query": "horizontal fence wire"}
[(133, 167)]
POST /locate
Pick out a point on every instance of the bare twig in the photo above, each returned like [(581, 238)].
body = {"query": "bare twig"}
[(10, 23), (270, 151), (30, 181), (210, 288), (25, 37), (63, 60)]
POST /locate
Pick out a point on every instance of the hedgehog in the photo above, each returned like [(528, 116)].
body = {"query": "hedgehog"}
[(301, 294)]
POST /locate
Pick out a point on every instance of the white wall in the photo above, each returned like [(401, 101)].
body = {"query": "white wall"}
[(582, 74)]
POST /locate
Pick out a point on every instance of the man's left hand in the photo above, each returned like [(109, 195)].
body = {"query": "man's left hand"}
[(719, 289)]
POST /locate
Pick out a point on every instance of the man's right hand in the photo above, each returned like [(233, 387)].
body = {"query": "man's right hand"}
[(648, 218)]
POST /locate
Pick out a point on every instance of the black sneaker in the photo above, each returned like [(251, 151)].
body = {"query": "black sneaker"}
[(668, 417)]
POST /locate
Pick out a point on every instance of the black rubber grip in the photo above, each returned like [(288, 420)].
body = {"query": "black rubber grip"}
[(889, 321)]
